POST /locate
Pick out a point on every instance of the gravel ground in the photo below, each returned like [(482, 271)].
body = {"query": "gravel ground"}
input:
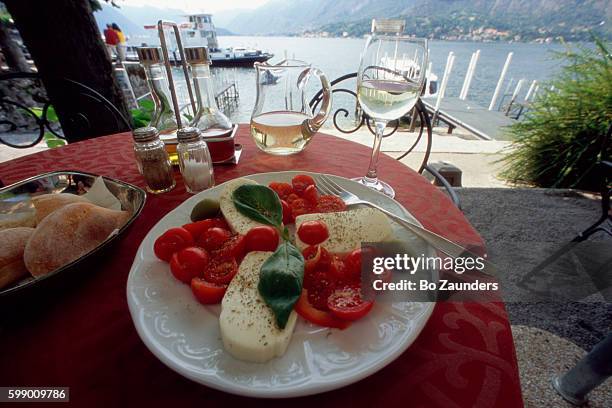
[(521, 227), (540, 357)]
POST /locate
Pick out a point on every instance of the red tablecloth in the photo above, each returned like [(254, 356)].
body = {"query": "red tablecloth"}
[(86, 340)]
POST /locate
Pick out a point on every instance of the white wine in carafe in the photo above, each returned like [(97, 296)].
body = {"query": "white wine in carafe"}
[(281, 132)]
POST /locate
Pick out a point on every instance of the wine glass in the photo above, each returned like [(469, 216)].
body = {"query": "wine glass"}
[(389, 82)]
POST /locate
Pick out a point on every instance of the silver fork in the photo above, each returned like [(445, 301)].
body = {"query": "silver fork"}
[(326, 185)]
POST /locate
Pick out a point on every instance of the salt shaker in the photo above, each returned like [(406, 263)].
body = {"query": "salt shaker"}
[(194, 160), (153, 161)]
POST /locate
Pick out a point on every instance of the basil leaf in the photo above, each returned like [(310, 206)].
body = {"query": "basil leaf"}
[(280, 281), (259, 203)]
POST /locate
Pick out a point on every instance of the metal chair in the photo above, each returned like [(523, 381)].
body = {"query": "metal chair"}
[(25, 110), (425, 129)]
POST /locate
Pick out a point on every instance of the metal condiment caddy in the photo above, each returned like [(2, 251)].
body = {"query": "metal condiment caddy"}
[(170, 140)]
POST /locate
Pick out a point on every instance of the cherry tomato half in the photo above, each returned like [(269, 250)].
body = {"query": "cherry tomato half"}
[(199, 227), (316, 257), (214, 238), (235, 248), (313, 232), (172, 241), (338, 270), (221, 271), (188, 263), (330, 203), (206, 292), (347, 303), (353, 264), (299, 206), (287, 216), (311, 195), (262, 238), (282, 189), (320, 285), (319, 317), (291, 198), (301, 182)]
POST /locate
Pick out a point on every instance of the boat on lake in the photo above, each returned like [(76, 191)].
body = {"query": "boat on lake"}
[(199, 30)]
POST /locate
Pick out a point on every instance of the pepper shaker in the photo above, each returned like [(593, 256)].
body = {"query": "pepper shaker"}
[(194, 160), (152, 160)]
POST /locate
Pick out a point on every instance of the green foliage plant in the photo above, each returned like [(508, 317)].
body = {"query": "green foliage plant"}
[(563, 135)]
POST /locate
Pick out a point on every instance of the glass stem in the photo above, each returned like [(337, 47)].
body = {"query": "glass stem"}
[(379, 128)]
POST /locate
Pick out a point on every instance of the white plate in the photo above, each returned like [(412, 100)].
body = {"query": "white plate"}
[(185, 335)]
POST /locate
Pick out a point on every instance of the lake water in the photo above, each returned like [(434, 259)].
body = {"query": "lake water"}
[(339, 56)]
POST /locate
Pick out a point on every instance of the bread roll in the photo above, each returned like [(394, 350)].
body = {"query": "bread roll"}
[(69, 233), (12, 245), (45, 204), (18, 219)]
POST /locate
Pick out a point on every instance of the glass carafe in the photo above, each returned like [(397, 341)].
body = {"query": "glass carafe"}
[(163, 117), (208, 118), (282, 122)]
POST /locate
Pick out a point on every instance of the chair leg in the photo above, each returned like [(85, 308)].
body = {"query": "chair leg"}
[(594, 368), (451, 191)]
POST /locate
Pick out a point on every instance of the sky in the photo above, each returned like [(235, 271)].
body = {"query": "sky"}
[(197, 5)]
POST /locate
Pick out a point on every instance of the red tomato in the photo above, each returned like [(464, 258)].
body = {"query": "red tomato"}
[(338, 270), (235, 248), (330, 203), (207, 292), (199, 227), (301, 182), (299, 206), (316, 257), (311, 195), (319, 317), (188, 263), (221, 271), (287, 216), (313, 257), (172, 241), (282, 189), (291, 198), (347, 303), (353, 264), (214, 238), (320, 285), (313, 232), (262, 238)]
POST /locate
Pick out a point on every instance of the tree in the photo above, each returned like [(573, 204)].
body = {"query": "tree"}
[(65, 44), (13, 55)]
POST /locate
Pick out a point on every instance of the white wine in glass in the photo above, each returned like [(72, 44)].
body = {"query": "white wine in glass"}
[(390, 80)]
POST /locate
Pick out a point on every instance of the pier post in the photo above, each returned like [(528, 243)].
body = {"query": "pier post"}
[(469, 75), (531, 90), (450, 60), (519, 85), (500, 82)]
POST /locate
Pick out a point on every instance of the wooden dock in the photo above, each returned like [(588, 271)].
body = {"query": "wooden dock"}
[(483, 123)]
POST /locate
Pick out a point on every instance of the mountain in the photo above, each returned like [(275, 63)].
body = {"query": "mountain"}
[(147, 15), (436, 18), (109, 14), (132, 19)]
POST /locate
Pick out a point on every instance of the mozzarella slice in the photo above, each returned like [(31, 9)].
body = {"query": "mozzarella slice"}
[(248, 326), (239, 223), (348, 229)]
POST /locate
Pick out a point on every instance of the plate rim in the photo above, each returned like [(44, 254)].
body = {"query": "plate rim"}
[(214, 382)]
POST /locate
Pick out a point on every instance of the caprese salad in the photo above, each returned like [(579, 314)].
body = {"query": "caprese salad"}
[(270, 253)]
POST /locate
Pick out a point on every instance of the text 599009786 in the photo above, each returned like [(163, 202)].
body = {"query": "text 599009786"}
[(34, 394)]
